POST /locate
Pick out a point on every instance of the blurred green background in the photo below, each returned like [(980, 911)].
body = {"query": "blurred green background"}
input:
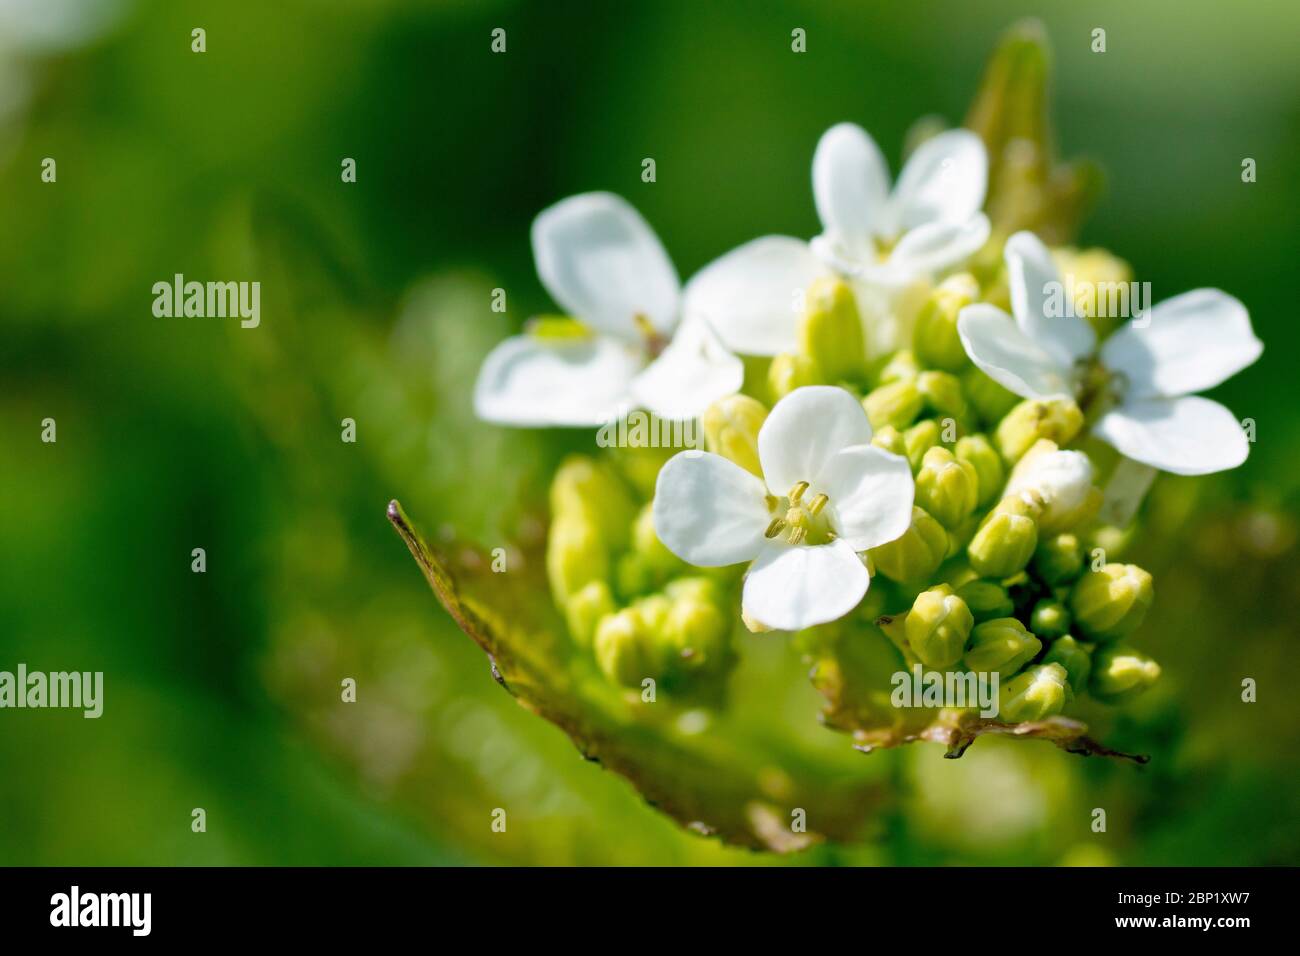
[(222, 689)]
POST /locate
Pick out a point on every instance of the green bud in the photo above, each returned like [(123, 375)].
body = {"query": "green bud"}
[(1049, 619), (831, 332), (731, 430), (989, 399), (623, 648), (591, 490), (1005, 541), (647, 545), (696, 629), (894, 403), (901, 366), (983, 457), (585, 609), (1001, 645), (1110, 603), (919, 439), (1073, 656), (986, 600), (1059, 559), (1058, 419), (935, 338), (576, 555), (1094, 270), (946, 487), (1120, 673), (937, 627), (915, 555), (942, 394), (1038, 693), (789, 371), (890, 439)]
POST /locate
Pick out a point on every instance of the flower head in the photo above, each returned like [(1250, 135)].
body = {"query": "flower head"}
[(1141, 378), (826, 494), (632, 344)]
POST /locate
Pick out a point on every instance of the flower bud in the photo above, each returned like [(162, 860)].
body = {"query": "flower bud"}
[(946, 487), (695, 631), (623, 649), (935, 338), (575, 555), (901, 366), (1110, 603), (937, 627), (1062, 480), (585, 610), (1005, 541), (1059, 559), (831, 332), (986, 600), (731, 430), (1087, 272), (915, 555), (894, 403), (919, 439), (1049, 619), (942, 394), (789, 371), (1073, 656), (989, 399), (1001, 645), (1040, 692), (983, 457), (891, 440), (591, 490), (652, 551), (1057, 418), (1120, 673)]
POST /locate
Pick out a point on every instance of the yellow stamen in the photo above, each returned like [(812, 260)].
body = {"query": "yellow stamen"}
[(774, 528), (817, 504), (797, 534), (797, 492)]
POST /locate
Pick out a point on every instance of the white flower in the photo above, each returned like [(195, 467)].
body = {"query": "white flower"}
[(1147, 371), (603, 264), (826, 494), (930, 222), (1060, 480)]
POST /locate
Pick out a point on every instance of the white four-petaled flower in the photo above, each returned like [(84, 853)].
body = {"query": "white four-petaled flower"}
[(826, 494), (882, 240), (1147, 370), (638, 345)]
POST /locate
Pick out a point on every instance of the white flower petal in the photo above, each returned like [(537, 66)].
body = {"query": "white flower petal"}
[(1193, 342), (752, 296), (936, 246), (997, 345), (603, 264), (693, 372), (796, 586), (943, 181), (1188, 435), (533, 381), (805, 430), (1040, 303), (709, 511), (851, 189), (870, 492)]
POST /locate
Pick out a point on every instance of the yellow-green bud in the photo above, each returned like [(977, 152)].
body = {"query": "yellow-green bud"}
[(983, 457), (937, 627), (1120, 673), (590, 489), (1093, 270), (696, 629), (1040, 692), (1001, 645), (935, 338), (1061, 481), (942, 394), (585, 610), (623, 649), (647, 545), (1057, 418), (789, 371), (986, 599), (1005, 541), (831, 332), (989, 399), (894, 403), (1050, 619), (1111, 603), (919, 439), (731, 430), (915, 555), (1073, 656), (891, 440), (946, 487), (1059, 558), (901, 366), (576, 554)]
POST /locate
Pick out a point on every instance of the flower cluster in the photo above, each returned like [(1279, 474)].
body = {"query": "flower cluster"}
[(905, 405)]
